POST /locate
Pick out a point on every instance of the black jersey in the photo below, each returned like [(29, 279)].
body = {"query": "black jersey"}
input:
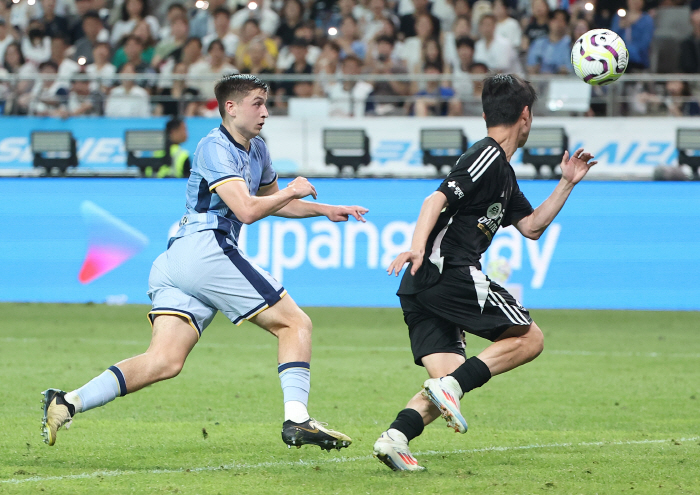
[(482, 195)]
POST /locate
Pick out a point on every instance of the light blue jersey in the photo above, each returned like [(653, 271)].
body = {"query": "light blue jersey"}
[(219, 159)]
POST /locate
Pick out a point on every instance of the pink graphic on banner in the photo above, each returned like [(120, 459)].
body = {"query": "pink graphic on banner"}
[(111, 242)]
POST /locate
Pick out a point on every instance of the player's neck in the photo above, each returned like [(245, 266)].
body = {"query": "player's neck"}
[(240, 139), (506, 137)]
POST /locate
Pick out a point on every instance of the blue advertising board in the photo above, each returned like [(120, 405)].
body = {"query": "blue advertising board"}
[(614, 245)]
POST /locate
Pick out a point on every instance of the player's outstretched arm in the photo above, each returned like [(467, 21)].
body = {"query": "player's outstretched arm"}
[(249, 209), (572, 171), (305, 209), (429, 213)]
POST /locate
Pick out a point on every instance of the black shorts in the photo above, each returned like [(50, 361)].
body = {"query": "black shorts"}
[(464, 300)]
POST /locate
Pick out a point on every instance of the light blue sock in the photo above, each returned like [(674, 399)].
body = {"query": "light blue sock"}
[(102, 389), (296, 383)]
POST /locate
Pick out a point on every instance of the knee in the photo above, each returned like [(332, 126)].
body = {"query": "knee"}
[(167, 367), (535, 339)]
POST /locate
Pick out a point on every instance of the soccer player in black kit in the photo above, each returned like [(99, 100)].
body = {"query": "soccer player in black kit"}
[(443, 292)]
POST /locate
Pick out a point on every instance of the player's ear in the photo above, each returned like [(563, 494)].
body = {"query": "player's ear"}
[(525, 114), (231, 108), (483, 115)]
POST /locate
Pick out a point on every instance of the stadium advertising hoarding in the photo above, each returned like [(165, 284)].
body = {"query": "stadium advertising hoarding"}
[(632, 146), (615, 245)]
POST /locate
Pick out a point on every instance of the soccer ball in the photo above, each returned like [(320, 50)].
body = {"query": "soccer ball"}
[(599, 57)]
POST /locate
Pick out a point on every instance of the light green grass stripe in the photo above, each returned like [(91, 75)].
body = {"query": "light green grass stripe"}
[(229, 467)]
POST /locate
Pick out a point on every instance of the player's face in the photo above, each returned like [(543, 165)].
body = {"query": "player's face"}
[(250, 113)]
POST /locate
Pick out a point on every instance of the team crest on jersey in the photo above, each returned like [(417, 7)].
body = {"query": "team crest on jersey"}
[(494, 210), (456, 189)]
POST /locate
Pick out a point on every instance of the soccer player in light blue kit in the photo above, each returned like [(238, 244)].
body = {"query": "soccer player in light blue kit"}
[(232, 182)]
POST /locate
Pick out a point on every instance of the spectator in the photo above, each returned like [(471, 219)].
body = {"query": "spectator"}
[(676, 102), (54, 25), (249, 31), (179, 31), (47, 96), (133, 12), (75, 21), (66, 67), (303, 31), (387, 97), (436, 99), (143, 32), (174, 10), (101, 71), (299, 49), (178, 99), (16, 64), (94, 32), (461, 28), (80, 101), (327, 67), (213, 69), (413, 46), (463, 8), (349, 39), (690, 48), (257, 60), (374, 22), (202, 22), (5, 39), (292, 16), (472, 106), (132, 53), (462, 81), (348, 98), (341, 10), (128, 100), (268, 20), (223, 33), (36, 46), (495, 52), (552, 54), (636, 29), (431, 53), (538, 25), (581, 26), (408, 22), (506, 26)]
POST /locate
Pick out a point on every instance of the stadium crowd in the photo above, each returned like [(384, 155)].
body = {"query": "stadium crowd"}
[(172, 52)]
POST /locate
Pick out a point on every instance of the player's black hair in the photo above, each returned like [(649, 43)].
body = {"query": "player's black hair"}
[(236, 87), (563, 12), (504, 97)]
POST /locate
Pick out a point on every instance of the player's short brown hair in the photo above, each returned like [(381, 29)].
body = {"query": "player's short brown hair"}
[(236, 87)]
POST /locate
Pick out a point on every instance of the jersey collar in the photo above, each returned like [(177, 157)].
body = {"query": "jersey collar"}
[(230, 138)]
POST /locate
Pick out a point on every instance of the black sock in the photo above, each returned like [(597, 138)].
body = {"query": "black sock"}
[(409, 422), (472, 374)]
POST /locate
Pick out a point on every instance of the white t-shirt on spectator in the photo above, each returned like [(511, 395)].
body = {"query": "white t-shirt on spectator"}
[(135, 103), (499, 56), (101, 77), (230, 42), (36, 54), (510, 30), (268, 19), (348, 103), (410, 52)]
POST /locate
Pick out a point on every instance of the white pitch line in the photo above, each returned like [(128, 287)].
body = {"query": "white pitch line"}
[(229, 467)]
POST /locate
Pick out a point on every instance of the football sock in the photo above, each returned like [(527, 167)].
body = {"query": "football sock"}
[(295, 377), (409, 422), (473, 373), (99, 391)]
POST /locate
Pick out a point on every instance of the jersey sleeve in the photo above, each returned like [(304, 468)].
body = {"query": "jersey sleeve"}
[(268, 176), (217, 165), (470, 173), (518, 208)]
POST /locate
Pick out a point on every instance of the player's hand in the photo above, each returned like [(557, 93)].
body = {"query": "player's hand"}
[(342, 213), (576, 168), (414, 257), (302, 188)]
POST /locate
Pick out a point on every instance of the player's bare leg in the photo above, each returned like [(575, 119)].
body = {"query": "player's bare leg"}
[(171, 342), (517, 346), (292, 327)]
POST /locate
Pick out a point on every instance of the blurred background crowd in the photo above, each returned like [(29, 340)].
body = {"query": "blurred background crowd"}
[(131, 58)]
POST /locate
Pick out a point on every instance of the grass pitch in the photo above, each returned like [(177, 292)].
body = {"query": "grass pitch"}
[(611, 406)]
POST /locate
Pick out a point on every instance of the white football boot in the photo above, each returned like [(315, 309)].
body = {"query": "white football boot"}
[(445, 394), (392, 449)]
